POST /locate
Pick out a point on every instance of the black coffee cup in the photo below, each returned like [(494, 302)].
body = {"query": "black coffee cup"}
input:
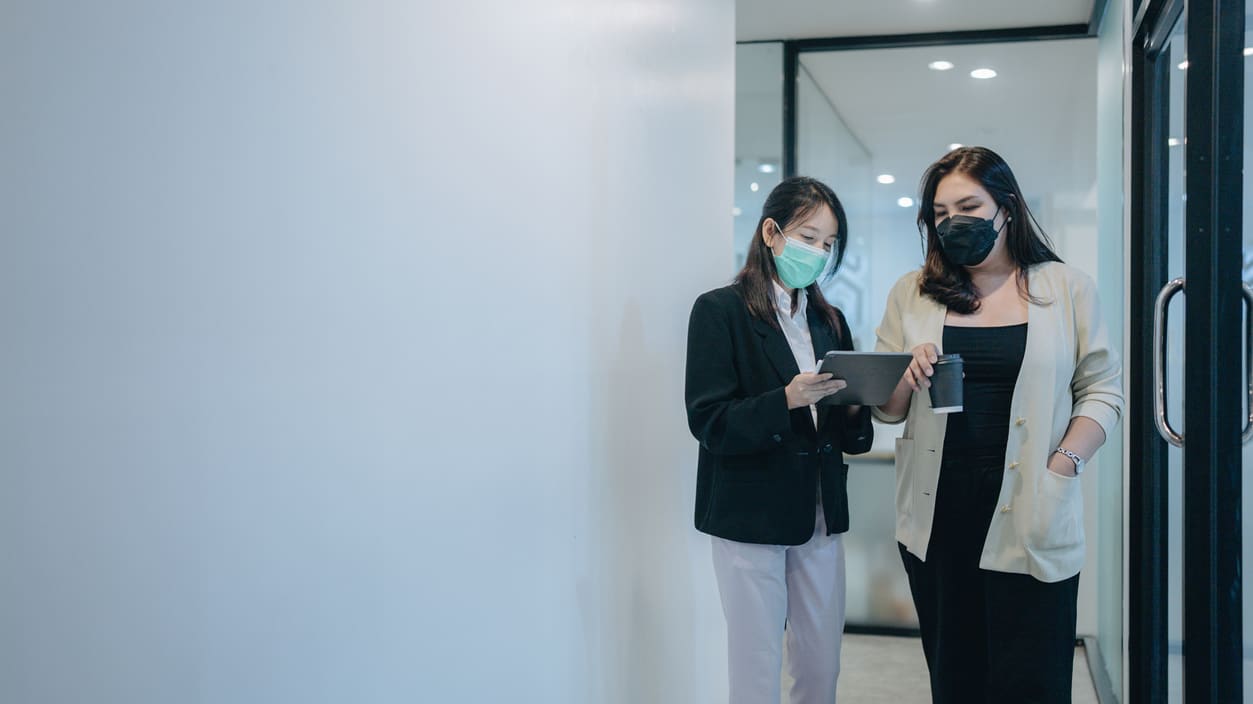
[(946, 384)]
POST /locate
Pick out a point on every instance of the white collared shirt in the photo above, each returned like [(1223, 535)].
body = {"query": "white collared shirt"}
[(796, 330)]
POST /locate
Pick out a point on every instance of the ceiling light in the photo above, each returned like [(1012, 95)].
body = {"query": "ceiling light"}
[(753, 186), (765, 167), (940, 65), (1248, 51), (1183, 65), (886, 179), (905, 202), (1173, 142), (736, 212), (955, 145), (983, 73)]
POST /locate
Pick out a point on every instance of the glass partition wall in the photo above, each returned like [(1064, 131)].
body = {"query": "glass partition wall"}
[(868, 122)]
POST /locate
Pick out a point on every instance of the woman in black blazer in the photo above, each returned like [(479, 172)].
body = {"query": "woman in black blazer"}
[(771, 480)]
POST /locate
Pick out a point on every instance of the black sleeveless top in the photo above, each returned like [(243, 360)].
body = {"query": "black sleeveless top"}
[(992, 358)]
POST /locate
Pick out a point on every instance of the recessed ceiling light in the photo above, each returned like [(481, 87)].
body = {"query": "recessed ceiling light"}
[(1183, 65), (765, 167), (736, 212), (983, 73), (886, 179), (753, 186), (1173, 142), (955, 145), (1248, 51), (905, 202), (940, 65)]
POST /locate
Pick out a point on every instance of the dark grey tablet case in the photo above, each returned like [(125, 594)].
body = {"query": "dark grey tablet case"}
[(871, 376)]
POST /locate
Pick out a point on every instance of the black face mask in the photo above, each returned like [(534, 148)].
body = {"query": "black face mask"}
[(966, 240)]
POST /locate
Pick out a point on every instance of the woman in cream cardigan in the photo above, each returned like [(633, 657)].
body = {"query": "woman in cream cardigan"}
[(989, 509)]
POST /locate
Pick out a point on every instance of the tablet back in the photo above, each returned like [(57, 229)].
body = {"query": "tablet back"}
[(871, 376)]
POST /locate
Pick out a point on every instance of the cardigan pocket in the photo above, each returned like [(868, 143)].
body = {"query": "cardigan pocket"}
[(1058, 520)]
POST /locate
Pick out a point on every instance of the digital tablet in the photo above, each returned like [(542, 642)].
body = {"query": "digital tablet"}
[(871, 376)]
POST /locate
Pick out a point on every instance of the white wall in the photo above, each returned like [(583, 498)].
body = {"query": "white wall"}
[(343, 349)]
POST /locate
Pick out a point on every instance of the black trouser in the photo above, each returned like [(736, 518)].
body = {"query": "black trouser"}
[(988, 636)]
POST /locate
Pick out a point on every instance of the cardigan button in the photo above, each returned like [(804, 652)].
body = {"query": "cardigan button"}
[(1020, 422), (1013, 465), (776, 437), (1005, 508), (827, 448)]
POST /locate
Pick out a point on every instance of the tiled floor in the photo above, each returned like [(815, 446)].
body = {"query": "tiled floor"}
[(891, 670)]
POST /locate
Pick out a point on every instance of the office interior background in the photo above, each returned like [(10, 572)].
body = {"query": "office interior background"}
[(343, 341)]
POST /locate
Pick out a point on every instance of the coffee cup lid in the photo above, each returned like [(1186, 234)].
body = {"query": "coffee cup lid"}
[(948, 358)]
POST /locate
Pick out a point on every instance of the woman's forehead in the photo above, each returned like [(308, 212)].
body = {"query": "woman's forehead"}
[(821, 219), (958, 186)]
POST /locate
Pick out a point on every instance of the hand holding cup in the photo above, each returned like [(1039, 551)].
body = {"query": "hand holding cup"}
[(918, 373)]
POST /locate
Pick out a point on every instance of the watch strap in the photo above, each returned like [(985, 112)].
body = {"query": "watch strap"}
[(1073, 458)]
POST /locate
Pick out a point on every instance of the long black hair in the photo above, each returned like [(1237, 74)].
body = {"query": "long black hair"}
[(949, 283), (795, 198)]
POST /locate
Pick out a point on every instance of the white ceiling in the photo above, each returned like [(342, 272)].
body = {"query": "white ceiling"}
[(799, 19), (1039, 112)]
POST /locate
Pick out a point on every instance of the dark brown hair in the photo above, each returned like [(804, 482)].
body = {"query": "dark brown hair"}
[(949, 283), (795, 198)]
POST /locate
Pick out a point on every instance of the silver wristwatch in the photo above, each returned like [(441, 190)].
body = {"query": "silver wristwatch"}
[(1079, 462)]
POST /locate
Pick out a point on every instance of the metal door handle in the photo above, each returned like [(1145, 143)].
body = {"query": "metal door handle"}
[(1159, 360), (1248, 363)]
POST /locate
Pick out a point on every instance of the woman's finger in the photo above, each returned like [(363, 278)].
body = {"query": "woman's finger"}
[(922, 371), (912, 374), (927, 355), (924, 364)]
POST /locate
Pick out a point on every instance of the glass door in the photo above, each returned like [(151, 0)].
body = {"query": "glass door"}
[(1187, 368)]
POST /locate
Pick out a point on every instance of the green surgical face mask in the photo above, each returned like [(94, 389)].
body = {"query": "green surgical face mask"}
[(800, 264)]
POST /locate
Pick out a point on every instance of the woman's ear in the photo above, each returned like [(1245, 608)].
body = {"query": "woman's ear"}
[(769, 230)]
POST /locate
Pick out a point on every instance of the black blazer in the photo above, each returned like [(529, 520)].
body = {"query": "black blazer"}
[(759, 463)]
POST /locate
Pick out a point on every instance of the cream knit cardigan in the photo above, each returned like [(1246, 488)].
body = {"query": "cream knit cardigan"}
[(1068, 370)]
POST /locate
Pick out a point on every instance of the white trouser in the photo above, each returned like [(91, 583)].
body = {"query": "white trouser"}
[(764, 585)]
